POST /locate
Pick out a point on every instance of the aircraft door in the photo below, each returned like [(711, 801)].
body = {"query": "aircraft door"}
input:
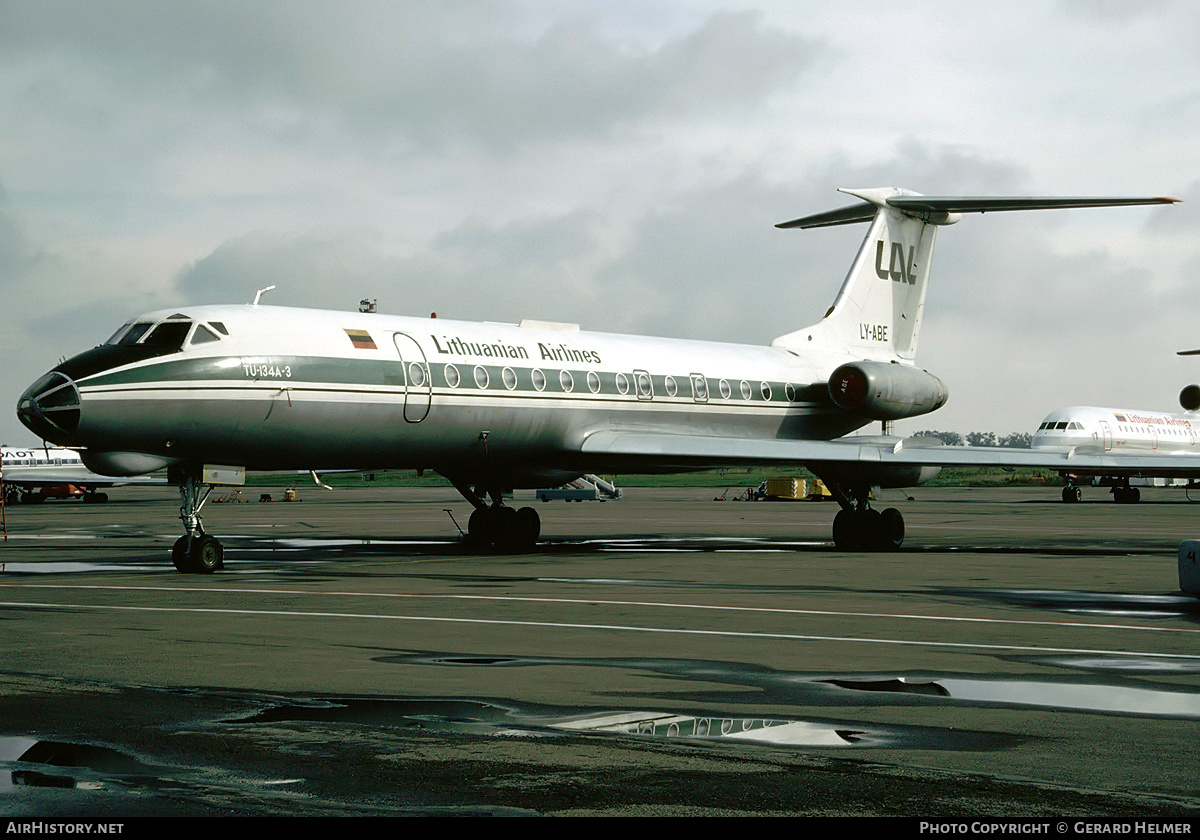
[(1106, 435), (418, 384)]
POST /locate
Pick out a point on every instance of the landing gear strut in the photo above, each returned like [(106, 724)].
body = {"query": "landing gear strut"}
[(497, 526), (195, 552), (859, 527)]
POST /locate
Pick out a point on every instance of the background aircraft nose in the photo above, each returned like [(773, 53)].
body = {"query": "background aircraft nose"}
[(50, 408)]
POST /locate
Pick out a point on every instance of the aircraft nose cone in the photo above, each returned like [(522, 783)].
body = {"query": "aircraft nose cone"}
[(50, 408)]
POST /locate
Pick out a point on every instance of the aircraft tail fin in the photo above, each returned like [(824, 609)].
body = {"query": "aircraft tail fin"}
[(877, 313)]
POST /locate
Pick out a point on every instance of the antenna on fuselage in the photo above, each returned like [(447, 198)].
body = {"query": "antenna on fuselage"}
[(260, 293)]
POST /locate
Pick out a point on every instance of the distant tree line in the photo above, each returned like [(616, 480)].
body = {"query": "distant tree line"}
[(1017, 440)]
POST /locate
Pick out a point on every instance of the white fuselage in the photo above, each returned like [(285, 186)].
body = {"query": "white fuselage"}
[(275, 388), (49, 465), (1119, 430)]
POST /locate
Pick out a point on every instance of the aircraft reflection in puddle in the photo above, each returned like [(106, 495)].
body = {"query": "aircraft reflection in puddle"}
[(752, 730)]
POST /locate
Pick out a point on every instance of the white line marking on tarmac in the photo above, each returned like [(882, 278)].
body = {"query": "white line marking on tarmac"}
[(607, 627), (618, 603)]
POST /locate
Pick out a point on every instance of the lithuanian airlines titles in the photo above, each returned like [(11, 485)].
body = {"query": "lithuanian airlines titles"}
[(493, 407)]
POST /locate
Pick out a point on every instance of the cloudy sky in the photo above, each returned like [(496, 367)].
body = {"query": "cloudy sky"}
[(619, 164)]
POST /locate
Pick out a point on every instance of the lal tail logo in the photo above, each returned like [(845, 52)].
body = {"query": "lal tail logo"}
[(898, 270)]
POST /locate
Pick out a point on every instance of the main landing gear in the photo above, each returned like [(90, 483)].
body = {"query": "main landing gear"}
[(1123, 494), (195, 552), (497, 526), (1126, 495), (860, 527)]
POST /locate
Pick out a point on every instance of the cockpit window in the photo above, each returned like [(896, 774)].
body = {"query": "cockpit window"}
[(204, 335), (168, 336), (219, 327), (135, 332), (112, 339)]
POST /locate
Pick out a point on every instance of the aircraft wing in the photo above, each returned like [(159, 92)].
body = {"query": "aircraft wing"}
[(699, 451)]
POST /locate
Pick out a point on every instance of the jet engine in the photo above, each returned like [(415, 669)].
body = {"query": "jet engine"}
[(1189, 397), (886, 391)]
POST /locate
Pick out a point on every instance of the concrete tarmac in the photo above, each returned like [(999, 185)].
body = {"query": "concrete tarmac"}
[(666, 654)]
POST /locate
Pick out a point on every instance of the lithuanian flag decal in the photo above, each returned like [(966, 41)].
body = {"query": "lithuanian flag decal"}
[(361, 339)]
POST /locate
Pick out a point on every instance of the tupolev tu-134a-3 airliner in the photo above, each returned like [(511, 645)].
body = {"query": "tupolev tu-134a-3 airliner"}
[(494, 407)]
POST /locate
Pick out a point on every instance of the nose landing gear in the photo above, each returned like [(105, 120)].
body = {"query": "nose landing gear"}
[(195, 552)]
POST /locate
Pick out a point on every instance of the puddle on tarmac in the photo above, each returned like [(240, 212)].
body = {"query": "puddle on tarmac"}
[(59, 764), (507, 719), (1081, 697), (1124, 697), (1112, 604)]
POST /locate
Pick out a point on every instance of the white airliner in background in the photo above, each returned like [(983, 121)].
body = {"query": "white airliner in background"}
[(34, 474), (1121, 431), (498, 406)]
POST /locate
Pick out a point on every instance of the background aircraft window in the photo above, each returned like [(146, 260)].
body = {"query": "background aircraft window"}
[(135, 332), (1062, 424), (622, 383), (452, 377), (510, 378), (765, 387), (593, 382), (168, 335), (539, 379), (481, 376), (726, 391), (416, 374), (700, 387), (566, 380), (670, 387), (789, 391), (744, 387), (203, 335)]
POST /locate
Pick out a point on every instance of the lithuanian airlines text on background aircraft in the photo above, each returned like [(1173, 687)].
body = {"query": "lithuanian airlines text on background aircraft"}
[(499, 406)]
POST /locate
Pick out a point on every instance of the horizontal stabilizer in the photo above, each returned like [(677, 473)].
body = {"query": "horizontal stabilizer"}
[(844, 216), (937, 205)]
